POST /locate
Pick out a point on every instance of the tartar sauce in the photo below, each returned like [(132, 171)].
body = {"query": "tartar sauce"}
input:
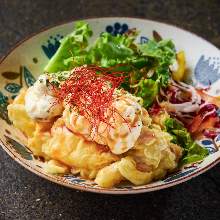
[(40, 103)]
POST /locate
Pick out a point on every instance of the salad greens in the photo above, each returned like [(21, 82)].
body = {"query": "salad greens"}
[(163, 52), (147, 90), (110, 50), (192, 151), (72, 49), (146, 65)]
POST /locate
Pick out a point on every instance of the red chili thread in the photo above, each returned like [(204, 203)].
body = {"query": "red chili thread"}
[(91, 90)]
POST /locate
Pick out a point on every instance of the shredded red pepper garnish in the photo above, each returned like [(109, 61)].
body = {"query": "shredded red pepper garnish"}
[(91, 90)]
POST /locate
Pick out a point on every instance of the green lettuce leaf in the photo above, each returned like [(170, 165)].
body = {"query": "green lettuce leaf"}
[(72, 50), (192, 151), (147, 89), (162, 55), (111, 50)]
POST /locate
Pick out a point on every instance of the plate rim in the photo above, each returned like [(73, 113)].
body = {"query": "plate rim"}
[(47, 27), (108, 191)]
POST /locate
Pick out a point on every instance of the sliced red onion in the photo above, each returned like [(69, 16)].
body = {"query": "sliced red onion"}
[(210, 134), (192, 106), (207, 107), (209, 114), (185, 107), (217, 124)]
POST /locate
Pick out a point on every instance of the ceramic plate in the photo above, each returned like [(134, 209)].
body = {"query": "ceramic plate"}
[(26, 61)]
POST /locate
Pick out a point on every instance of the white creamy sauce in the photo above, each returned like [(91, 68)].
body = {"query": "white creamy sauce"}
[(40, 102)]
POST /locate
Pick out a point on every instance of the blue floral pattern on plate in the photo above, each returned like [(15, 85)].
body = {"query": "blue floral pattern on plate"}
[(74, 179), (117, 28), (207, 70), (143, 40), (209, 145), (20, 148), (3, 108), (217, 141), (13, 88), (52, 45), (29, 79), (179, 175)]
